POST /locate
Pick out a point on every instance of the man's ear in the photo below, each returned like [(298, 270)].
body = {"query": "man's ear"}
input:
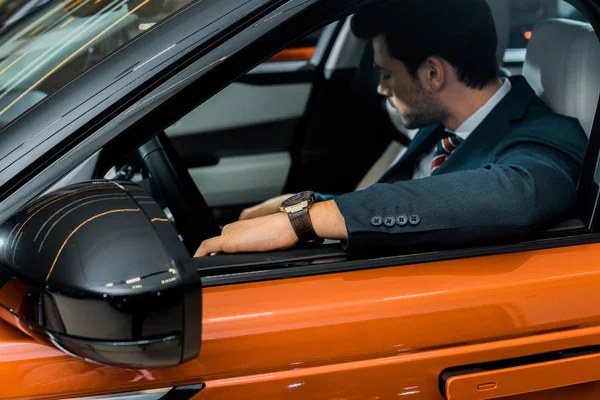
[(433, 74)]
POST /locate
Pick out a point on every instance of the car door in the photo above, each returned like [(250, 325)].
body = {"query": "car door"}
[(323, 324), (327, 325), (520, 325), (485, 327)]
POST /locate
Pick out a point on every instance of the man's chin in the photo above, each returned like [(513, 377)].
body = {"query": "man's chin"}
[(410, 126), (412, 121)]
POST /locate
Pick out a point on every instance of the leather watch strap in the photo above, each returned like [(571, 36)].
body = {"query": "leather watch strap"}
[(303, 226)]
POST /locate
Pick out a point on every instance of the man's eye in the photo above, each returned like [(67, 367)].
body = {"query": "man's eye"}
[(385, 76)]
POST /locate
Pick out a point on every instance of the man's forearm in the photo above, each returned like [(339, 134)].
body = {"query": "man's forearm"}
[(327, 220)]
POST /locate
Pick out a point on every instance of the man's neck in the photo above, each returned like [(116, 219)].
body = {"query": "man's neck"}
[(466, 101)]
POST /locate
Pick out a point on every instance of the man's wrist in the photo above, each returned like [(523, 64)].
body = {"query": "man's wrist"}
[(283, 215), (327, 220)]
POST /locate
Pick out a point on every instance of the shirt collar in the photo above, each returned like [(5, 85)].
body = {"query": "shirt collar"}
[(471, 123)]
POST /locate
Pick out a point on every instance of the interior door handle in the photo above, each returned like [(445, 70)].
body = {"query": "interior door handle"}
[(520, 376)]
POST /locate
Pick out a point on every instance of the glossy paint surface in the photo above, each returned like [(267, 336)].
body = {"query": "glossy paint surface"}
[(103, 249), (524, 379), (362, 335), (82, 237)]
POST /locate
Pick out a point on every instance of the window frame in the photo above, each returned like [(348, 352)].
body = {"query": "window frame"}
[(95, 112), (246, 269), (126, 130)]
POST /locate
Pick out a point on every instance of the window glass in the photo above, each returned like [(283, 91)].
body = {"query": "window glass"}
[(236, 145), (46, 44)]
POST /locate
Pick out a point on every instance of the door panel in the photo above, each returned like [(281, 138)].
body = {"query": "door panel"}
[(237, 144), (242, 105), (585, 391), (368, 334), (411, 375), (243, 179), (266, 117), (511, 378), (391, 332), (376, 333)]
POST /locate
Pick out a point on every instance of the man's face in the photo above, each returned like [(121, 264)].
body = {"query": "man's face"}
[(417, 106)]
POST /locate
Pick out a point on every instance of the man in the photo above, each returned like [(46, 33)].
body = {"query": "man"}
[(490, 161)]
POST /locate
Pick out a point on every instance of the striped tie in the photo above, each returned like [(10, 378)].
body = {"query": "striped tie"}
[(443, 150)]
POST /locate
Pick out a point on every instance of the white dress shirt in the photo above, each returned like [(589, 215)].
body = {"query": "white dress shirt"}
[(423, 168)]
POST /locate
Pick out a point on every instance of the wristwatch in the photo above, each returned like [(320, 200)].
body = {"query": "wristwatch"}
[(296, 207)]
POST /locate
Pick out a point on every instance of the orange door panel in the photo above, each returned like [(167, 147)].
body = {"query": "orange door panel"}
[(370, 334), (586, 391), (414, 376)]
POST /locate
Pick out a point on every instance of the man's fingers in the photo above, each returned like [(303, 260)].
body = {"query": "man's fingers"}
[(209, 246), (245, 214)]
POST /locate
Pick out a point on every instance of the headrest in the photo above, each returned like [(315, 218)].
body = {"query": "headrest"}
[(562, 64), (501, 12)]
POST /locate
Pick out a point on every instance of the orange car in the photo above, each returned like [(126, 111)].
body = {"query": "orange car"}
[(133, 129)]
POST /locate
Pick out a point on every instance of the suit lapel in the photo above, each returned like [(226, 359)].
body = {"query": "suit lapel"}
[(423, 141), (512, 107), (480, 140)]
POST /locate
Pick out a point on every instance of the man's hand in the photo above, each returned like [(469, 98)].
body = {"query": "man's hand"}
[(265, 208), (274, 232)]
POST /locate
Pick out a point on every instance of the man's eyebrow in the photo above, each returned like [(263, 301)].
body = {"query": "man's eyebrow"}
[(378, 67)]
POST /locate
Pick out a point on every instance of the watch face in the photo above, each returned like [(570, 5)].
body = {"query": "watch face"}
[(298, 198)]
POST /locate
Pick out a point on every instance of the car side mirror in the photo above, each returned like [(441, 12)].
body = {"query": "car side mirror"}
[(98, 270)]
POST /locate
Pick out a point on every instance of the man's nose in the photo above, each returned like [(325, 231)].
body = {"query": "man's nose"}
[(383, 90)]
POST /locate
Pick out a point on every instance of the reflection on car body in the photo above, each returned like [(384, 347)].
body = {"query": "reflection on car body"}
[(484, 321)]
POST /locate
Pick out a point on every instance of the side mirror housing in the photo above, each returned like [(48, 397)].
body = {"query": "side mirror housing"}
[(98, 270)]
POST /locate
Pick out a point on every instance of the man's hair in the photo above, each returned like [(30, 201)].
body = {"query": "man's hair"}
[(460, 31)]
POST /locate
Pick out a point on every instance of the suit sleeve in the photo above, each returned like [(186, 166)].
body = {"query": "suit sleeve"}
[(323, 196), (530, 184)]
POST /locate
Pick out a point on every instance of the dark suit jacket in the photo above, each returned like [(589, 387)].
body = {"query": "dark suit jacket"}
[(515, 174)]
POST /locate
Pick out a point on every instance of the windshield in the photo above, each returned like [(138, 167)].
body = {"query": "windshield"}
[(45, 44)]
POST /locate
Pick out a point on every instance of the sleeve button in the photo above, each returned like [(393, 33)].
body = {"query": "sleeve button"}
[(414, 219), (376, 221), (389, 221), (402, 220)]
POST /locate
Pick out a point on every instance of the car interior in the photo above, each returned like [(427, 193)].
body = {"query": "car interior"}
[(241, 152), (310, 118)]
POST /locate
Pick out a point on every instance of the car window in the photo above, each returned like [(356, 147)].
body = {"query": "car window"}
[(526, 14), (237, 144), (44, 46)]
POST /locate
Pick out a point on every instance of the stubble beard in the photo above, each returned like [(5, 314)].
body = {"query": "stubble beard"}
[(423, 109)]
